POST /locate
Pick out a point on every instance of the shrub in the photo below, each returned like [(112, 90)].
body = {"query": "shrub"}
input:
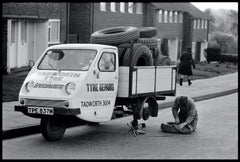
[(213, 54), (229, 58), (4, 70), (213, 44), (225, 40)]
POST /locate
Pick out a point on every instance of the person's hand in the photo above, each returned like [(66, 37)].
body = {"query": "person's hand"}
[(177, 121), (182, 125)]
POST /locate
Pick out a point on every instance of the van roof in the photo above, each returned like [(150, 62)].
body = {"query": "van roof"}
[(82, 46)]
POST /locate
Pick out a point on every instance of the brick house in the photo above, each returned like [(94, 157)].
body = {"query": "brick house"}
[(28, 29), (179, 25)]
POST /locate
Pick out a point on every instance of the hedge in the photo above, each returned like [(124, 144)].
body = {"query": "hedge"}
[(229, 58), (214, 54)]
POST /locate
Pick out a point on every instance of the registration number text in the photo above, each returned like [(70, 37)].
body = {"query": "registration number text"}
[(40, 110)]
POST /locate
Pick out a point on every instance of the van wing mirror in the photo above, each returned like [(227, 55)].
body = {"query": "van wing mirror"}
[(96, 72)]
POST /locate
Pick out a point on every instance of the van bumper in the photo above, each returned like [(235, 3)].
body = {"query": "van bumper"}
[(56, 111)]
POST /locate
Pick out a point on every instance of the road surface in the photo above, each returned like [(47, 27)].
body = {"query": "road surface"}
[(216, 137)]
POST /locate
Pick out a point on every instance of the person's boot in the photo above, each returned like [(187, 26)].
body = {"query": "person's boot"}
[(180, 82), (189, 82)]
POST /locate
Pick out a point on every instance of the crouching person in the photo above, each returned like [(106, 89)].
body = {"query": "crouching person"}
[(185, 114)]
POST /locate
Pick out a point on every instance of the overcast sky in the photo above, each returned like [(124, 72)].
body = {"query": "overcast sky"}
[(216, 5)]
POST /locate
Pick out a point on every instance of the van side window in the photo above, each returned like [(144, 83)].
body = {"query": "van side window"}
[(107, 62)]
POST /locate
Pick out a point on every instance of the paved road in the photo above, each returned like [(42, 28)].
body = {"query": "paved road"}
[(216, 138)]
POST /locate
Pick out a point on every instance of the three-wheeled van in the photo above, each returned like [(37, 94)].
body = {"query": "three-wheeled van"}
[(86, 81)]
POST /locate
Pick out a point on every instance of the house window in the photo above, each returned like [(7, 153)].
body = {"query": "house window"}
[(103, 6), (194, 24), (176, 17), (165, 16), (206, 23), (180, 17), (13, 26), (170, 16), (199, 24), (24, 32), (122, 7), (113, 6), (202, 24), (194, 45), (53, 31), (139, 8), (130, 7), (160, 16)]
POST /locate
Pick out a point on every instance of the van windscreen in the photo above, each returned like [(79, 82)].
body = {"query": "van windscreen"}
[(67, 59)]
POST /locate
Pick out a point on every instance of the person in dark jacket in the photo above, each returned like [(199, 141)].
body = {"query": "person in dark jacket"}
[(185, 67), (185, 114)]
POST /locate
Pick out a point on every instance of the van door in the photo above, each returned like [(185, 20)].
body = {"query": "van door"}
[(107, 80)]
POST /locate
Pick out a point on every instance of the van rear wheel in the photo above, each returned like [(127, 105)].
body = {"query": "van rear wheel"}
[(52, 128)]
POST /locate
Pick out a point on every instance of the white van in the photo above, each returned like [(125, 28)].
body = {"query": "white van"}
[(86, 81)]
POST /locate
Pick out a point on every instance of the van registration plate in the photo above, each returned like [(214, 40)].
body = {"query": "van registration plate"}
[(40, 110)]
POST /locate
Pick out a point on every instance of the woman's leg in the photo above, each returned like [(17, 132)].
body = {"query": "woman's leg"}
[(181, 79), (189, 80)]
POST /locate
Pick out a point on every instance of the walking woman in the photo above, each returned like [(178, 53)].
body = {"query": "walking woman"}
[(185, 67)]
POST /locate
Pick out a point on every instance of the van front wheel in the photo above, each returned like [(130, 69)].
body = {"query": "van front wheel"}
[(52, 128)]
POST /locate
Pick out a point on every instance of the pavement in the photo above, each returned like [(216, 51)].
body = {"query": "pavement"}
[(15, 123)]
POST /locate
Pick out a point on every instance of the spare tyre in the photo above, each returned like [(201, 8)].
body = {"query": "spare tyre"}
[(115, 35), (121, 52), (141, 56), (147, 32), (149, 42), (122, 48), (155, 52), (162, 60)]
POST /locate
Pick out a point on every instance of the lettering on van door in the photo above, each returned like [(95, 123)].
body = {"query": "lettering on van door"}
[(51, 86), (100, 87), (95, 103)]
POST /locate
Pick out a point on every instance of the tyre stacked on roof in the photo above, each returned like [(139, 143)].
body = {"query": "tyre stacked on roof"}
[(147, 37), (145, 48), (115, 35)]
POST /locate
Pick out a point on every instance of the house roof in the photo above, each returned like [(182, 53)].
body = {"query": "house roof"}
[(185, 7), (26, 17)]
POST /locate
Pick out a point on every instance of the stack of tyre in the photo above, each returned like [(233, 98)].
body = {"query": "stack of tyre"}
[(145, 45)]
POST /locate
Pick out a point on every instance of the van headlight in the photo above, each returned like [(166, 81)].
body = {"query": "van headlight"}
[(70, 87), (29, 85), (22, 101)]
